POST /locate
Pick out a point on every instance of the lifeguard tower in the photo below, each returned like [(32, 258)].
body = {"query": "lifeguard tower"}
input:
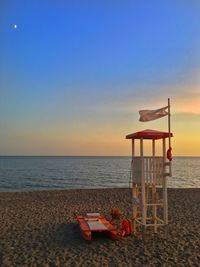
[(149, 181)]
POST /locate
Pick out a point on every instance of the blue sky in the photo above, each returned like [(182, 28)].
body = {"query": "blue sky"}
[(73, 74)]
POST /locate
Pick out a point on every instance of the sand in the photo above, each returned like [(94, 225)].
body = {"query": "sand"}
[(39, 229)]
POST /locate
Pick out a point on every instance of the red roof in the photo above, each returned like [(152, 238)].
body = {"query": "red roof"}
[(148, 134)]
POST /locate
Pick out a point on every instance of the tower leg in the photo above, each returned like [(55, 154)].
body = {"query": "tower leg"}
[(135, 207), (154, 207), (144, 214), (165, 201)]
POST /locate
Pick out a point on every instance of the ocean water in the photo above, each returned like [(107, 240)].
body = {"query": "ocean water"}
[(48, 173)]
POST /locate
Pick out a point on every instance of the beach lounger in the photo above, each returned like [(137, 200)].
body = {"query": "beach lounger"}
[(94, 222)]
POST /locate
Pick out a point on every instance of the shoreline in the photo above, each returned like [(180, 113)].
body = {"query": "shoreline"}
[(85, 189), (38, 228)]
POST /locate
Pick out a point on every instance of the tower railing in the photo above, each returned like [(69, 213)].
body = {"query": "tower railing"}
[(150, 169)]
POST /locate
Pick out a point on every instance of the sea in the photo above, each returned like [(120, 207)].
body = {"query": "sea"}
[(33, 173)]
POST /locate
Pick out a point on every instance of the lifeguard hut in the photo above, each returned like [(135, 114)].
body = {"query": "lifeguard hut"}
[(149, 181)]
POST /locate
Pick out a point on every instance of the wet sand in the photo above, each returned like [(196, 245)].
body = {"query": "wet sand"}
[(40, 229)]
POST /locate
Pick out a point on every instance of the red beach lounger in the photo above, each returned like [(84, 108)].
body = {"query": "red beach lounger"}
[(93, 222)]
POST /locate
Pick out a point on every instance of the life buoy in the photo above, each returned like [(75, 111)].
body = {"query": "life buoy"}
[(116, 213), (169, 154), (127, 228)]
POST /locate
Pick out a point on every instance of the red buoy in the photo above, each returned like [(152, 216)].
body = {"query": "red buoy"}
[(169, 154)]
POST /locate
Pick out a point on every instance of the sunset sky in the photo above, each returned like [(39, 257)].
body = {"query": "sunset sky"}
[(73, 74)]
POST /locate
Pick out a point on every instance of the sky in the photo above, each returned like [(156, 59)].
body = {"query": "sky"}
[(74, 74)]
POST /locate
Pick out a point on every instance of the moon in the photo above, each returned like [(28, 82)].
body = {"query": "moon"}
[(15, 26)]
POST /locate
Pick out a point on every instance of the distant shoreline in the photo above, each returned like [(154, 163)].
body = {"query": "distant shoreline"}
[(87, 156)]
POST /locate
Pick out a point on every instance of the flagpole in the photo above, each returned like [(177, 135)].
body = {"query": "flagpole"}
[(169, 122), (169, 130)]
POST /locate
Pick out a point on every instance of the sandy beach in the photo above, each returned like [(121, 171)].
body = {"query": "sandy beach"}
[(40, 229)]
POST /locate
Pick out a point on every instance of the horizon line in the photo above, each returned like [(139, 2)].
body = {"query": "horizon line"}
[(90, 156)]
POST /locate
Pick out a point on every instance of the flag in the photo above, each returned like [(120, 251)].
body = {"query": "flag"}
[(149, 115)]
